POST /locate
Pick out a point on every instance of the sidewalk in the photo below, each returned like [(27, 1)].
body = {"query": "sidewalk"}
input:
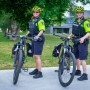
[(48, 82)]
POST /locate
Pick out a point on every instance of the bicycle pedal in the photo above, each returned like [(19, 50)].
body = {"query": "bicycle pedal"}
[(25, 69)]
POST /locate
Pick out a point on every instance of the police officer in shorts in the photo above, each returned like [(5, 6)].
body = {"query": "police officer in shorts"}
[(81, 31), (36, 30)]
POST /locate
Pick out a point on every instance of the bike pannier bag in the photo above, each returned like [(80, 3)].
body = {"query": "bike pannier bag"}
[(29, 50), (56, 50), (14, 48)]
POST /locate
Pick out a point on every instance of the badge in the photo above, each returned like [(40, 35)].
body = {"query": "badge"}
[(42, 23), (88, 25)]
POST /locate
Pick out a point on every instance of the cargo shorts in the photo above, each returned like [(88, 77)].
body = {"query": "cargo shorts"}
[(37, 47), (81, 51)]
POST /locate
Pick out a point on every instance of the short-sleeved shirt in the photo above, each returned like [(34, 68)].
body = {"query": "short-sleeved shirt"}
[(41, 25), (87, 26)]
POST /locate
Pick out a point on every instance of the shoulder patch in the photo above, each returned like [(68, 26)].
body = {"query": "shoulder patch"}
[(42, 23), (88, 25)]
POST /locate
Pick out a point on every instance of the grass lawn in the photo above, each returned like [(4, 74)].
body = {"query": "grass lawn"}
[(6, 45)]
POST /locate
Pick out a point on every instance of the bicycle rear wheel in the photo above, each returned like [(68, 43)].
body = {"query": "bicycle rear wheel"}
[(67, 68), (19, 62)]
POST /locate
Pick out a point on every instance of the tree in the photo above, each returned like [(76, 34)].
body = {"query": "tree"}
[(8, 24), (4, 21), (53, 10), (84, 1), (21, 10)]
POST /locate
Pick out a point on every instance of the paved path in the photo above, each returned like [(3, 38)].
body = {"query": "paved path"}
[(48, 82)]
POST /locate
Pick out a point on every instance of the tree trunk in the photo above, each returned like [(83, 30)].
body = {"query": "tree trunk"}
[(13, 30)]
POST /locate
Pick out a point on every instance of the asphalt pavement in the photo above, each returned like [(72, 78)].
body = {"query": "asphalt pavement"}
[(48, 82)]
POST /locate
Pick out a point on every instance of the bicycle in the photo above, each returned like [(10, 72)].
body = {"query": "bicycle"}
[(19, 56), (67, 62)]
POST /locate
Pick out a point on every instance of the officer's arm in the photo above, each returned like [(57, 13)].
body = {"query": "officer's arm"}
[(41, 27), (86, 36), (87, 30), (40, 33)]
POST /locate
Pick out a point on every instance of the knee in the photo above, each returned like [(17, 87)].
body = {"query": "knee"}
[(36, 57)]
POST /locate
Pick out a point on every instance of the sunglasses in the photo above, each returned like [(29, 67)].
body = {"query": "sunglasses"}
[(36, 12)]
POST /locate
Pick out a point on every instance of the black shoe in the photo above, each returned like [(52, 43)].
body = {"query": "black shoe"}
[(38, 75), (83, 77), (35, 71), (77, 73)]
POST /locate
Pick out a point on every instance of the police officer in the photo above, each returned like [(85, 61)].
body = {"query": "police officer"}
[(81, 30), (36, 30)]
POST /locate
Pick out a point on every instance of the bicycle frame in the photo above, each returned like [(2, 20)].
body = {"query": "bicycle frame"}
[(21, 44), (66, 47)]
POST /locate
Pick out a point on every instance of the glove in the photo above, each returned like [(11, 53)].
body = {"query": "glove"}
[(36, 38), (68, 37)]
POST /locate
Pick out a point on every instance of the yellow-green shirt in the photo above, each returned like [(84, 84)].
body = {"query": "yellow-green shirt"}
[(41, 25), (87, 26)]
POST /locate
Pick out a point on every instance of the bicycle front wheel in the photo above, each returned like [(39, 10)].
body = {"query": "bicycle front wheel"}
[(19, 62), (67, 68)]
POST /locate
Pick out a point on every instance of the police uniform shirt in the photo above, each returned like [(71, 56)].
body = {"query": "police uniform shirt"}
[(41, 25)]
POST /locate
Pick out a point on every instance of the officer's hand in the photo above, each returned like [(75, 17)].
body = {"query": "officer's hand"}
[(68, 37), (26, 36), (36, 38), (82, 40)]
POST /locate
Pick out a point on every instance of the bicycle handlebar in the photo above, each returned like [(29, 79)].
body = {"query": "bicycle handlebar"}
[(63, 38), (26, 37), (67, 39), (32, 38), (75, 39)]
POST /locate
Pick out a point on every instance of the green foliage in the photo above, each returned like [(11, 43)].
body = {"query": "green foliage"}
[(21, 10), (4, 20), (53, 10)]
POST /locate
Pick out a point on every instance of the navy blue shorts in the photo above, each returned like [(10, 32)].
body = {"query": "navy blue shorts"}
[(37, 47), (81, 51)]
